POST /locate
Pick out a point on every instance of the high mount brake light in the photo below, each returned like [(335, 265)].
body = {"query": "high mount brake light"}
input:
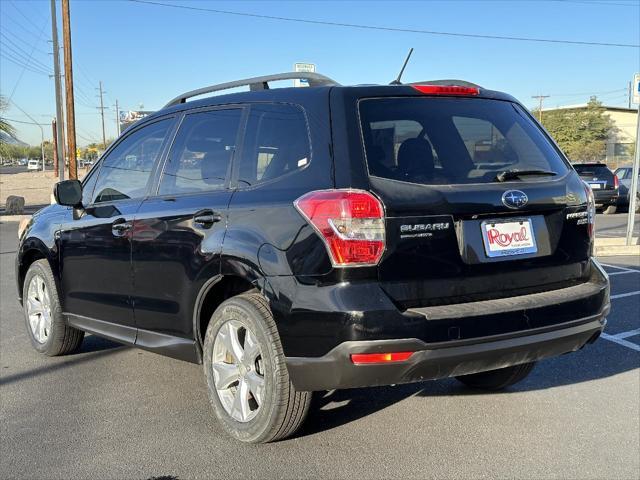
[(363, 358), (350, 222), (447, 90)]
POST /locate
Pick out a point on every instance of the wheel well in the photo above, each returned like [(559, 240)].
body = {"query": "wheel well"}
[(28, 258), (226, 287)]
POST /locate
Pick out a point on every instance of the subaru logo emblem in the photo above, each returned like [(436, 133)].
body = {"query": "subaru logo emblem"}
[(514, 199)]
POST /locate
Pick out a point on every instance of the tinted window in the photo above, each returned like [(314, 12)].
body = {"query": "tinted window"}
[(126, 170), (202, 152), (276, 143), (587, 170), (445, 140), (88, 184)]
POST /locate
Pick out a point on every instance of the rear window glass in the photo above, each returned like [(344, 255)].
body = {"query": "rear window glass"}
[(590, 170), (448, 141)]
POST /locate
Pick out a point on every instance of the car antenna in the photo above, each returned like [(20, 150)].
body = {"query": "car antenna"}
[(404, 65)]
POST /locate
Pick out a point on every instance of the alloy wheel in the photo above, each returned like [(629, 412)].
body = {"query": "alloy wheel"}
[(39, 309), (238, 371)]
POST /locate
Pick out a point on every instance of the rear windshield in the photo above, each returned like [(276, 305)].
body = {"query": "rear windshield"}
[(439, 141), (591, 170)]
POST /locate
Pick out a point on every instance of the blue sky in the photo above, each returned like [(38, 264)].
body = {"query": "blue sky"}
[(147, 54)]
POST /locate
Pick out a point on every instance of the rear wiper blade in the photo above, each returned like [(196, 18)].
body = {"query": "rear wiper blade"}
[(512, 174)]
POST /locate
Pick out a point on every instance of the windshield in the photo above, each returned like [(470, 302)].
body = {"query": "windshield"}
[(452, 140)]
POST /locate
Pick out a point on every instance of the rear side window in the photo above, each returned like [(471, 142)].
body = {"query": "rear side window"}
[(276, 143), (202, 151), (451, 141)]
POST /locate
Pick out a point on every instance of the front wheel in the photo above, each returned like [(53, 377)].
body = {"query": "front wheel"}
[(48, 330), (247, 378), (497, 379)]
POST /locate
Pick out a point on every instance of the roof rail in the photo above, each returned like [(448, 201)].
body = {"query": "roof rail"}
[(448, 82), (256, 83)]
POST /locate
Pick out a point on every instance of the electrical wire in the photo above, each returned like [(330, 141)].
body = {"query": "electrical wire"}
[(388, 29)]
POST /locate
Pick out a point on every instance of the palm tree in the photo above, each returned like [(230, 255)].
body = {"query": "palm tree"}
[(5, 126)]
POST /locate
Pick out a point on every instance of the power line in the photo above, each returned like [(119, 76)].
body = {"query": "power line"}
[(19, 51), (22, 121), (586, 93), (388, 29), (13, 21), (13, 60)]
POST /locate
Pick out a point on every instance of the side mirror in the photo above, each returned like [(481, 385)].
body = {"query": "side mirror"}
[(68, 193)]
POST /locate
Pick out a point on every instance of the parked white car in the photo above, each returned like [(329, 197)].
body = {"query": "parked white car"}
[(34, 165)]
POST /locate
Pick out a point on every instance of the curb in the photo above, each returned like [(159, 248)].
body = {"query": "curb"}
[(617, 250), (13, 218), (616, 246)]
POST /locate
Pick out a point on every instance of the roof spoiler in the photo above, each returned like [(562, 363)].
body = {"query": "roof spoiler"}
[(257, 83)]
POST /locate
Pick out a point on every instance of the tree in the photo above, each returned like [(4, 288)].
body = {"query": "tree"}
[(582, 133), (5, 126)]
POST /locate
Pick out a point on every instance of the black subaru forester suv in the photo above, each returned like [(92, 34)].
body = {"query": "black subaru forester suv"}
[(295, 240)]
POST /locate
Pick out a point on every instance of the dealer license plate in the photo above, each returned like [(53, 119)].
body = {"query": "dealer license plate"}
[(508, 238)]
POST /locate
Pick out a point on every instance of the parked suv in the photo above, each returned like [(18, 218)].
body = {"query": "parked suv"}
[(305, 239), (603, 182)]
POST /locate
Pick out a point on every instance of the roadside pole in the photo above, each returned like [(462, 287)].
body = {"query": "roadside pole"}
[(68, 82), (59, 137), (55, 147), (633, 191), (117, 119)]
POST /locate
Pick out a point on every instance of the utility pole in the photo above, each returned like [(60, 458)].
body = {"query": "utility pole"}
[(629, 93), (633, 189), (540, 99), (56, 156), (101, 107), (68, 82), (117, 119), (58, 139)]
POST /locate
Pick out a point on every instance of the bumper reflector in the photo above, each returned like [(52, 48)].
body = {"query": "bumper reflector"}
[(362, 358)]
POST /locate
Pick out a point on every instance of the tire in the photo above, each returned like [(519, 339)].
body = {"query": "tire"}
[(610, 210), (46, 325), (280, 411), (497, 379)]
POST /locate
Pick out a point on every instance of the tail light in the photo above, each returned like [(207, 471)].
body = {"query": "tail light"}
[(447, 90), (616, 182), (591, 209), (350, 222)]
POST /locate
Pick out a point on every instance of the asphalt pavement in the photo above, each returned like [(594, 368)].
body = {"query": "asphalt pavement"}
[(111, 411), (609, 226)]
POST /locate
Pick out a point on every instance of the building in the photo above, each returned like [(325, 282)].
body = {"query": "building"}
[(619, 149)]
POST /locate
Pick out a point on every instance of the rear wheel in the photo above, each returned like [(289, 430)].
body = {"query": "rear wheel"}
[(247, 378), (497, 379), (48, 330)]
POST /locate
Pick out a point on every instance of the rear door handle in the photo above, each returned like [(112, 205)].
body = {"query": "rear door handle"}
[(120, 227), (206, 218)]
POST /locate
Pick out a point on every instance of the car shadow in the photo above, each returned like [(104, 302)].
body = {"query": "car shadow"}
[(93, 343), (338, 407)]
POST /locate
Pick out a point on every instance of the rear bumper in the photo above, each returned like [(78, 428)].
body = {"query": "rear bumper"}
[(605, 197), (336, 371), (459, 339)]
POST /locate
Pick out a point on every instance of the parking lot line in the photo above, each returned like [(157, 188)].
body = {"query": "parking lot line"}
[(623, 273), (622, 295), (630, 333), (621, 341), (619, 268)]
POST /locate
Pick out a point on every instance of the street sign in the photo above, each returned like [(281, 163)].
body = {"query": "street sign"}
[(636, 88), (303, 67)]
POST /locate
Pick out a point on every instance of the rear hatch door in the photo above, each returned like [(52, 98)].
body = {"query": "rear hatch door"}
[(479, 203)]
